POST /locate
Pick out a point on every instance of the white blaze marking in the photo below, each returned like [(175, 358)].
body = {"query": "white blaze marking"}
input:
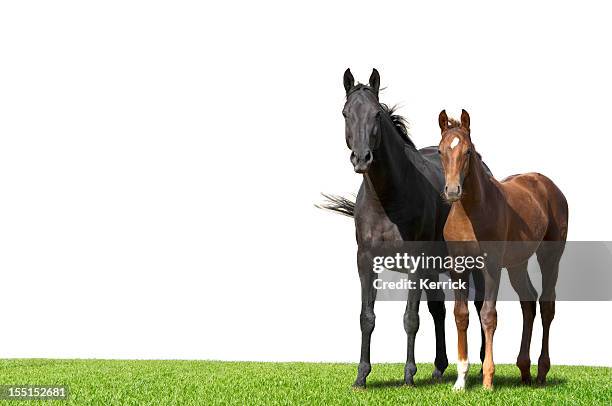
[(462, 370), (454, 143)]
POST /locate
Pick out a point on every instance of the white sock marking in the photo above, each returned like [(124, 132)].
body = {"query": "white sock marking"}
[(463, 367)]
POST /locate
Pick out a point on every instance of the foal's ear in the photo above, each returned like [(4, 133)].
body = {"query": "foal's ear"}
[(465, 120), (375, 80), (443, 121), (349, 80)]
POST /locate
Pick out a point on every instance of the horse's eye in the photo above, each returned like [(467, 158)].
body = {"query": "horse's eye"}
[(344, 114), (469, 151), (439, 152)]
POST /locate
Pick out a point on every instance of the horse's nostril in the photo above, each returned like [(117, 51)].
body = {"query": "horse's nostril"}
[(368, 156), (352, 155)]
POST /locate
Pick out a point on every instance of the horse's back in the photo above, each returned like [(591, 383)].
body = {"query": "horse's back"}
[(430, 150), (430, 155)]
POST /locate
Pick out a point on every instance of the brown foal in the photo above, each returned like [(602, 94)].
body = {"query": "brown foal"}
[(520, 214)]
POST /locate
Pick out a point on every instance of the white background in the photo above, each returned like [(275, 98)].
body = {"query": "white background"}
[(159, 162)]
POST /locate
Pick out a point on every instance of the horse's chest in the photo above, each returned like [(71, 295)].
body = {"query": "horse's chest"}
[(458, 225), (380, 229)]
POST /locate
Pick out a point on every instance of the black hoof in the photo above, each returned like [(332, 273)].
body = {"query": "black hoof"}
[(409, 373), (359, 386), (437, 375), (362, 373)]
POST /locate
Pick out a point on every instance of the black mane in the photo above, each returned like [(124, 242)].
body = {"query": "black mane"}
[(399, 122)]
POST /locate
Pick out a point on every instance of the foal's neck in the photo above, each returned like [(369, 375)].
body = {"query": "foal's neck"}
[(477, 184)]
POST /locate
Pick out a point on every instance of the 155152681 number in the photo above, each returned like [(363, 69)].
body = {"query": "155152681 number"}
[(34, 392)]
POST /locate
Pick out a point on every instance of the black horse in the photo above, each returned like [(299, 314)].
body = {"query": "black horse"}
[(399, 200)]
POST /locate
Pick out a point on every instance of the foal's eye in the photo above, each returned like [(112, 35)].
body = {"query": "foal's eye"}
[(469, 151), (439, 152)]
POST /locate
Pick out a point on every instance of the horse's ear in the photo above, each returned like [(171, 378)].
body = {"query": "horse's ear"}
[(465, 120), (349, 80), (443, 121), (375, 80)]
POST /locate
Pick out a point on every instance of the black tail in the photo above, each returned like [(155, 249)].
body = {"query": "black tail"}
[(338, 204)]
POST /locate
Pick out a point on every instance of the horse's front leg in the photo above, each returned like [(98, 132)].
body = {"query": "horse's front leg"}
[(367, 317), (411, 326), (488, 317), (462, 319)]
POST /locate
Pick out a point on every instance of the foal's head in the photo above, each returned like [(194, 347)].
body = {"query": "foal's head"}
[(455, 151), (362, 115)]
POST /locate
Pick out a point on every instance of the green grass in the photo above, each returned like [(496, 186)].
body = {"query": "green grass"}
[(105, 382)]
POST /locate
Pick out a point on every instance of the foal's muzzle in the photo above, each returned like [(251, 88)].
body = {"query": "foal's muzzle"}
[(452, 193), (362, 160)]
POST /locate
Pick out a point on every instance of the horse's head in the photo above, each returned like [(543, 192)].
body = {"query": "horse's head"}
[(455, 150), (362, 115)]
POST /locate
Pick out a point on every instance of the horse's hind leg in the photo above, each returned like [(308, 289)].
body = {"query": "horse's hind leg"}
[(549, 255), (519, 278), (435, 303)]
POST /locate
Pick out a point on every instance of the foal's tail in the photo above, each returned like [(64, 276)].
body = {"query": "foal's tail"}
[(337, 204)]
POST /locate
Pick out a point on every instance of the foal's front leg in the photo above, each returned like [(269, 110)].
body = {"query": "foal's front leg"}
[(367, 317), (488, 317), (461, 321)]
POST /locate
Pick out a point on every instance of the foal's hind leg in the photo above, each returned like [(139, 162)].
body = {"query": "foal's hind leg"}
[(519, 278), (549, 255)]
